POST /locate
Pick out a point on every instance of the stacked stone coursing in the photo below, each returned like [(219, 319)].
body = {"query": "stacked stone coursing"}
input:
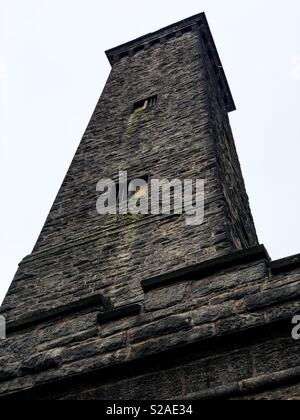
[(224, 334), (145, 307)]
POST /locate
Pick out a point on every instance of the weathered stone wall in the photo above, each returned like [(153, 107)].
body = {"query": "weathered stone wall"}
[(236, 202), (146, 307), (227, 334), (80, 253)]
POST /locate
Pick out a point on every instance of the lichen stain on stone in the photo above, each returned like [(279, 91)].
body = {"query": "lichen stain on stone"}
[(130, 234), (132, 122)]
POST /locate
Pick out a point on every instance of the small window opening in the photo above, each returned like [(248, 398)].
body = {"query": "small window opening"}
[(122, 190), (139, 191), (145, 103)]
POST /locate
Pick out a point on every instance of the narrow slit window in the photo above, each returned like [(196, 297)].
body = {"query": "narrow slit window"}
[(145, 103)]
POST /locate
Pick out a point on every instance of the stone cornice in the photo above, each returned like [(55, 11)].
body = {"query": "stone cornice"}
[(285, 264), (168, 358), (50, 315), (195, 23), (206, 268)]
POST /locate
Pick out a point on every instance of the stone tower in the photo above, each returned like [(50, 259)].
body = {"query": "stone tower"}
[(146, 307)]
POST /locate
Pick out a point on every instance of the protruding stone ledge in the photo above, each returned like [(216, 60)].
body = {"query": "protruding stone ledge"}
[(273, 297), (249, 386), (194, 23), (285, 264), (199, 271), (159, 359), (44, 316), (119, 313), (153, 38)]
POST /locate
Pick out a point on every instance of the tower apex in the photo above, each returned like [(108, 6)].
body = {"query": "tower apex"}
[(194, 23)]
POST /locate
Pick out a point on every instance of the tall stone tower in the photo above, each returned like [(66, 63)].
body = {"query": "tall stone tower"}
[(107, 303)]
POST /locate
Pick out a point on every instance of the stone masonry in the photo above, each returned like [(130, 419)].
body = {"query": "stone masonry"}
[(145, 307)]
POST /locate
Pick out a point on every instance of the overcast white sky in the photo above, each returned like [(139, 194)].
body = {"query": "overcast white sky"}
[(53, 69)]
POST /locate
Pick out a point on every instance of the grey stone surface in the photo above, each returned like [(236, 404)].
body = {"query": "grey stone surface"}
[(169, 296), (187, 135), (225, 335)]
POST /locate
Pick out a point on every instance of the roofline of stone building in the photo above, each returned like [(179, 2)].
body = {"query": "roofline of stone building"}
[(198, 271), (277, 305), (168, 358), (196, 22)]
